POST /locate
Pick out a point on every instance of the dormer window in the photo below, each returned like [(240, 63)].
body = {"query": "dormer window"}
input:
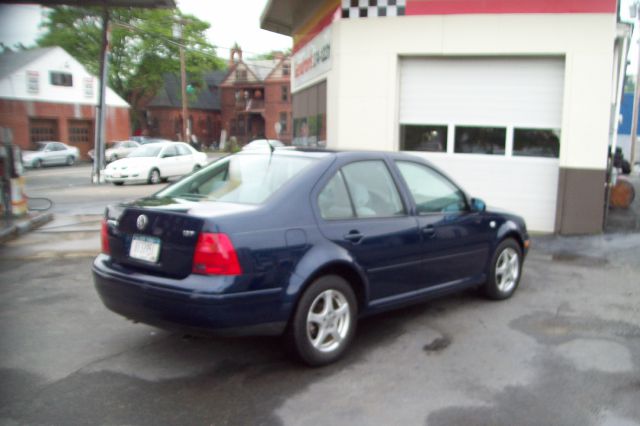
[(285, 69), (61, 79), (241, 75)]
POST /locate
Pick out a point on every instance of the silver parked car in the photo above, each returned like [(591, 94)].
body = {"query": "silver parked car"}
[(50, 153), (117, 150)]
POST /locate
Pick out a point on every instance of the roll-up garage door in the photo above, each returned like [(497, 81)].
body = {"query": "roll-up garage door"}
[(508, 96)]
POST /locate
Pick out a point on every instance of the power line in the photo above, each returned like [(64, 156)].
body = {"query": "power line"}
[(184, 46)]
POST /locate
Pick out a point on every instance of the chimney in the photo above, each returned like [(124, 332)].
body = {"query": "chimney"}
[(278, 55), (235, 56)]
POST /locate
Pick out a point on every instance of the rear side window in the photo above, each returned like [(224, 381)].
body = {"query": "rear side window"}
[(334, 200), (365, 188), (432, 192)]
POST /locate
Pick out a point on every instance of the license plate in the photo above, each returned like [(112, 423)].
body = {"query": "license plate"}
[(145, 248)]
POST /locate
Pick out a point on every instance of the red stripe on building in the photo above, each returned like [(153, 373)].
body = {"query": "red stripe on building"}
[(452, 7), (317, 29)]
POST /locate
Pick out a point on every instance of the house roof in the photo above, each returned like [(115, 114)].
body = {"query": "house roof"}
[(262, 68), (169, 95), (11, 61)]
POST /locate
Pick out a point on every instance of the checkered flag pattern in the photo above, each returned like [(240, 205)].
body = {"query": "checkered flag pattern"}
[(372, 8)]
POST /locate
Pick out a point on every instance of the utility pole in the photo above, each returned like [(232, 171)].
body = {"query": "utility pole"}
[(178, 29), (636, 95), (101, 110)]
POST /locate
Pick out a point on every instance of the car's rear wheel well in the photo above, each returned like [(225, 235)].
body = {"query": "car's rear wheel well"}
[(346, 272)]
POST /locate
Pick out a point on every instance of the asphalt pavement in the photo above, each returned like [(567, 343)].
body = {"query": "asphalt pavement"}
[(565, 350)]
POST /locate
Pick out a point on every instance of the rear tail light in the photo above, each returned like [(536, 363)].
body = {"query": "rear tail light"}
[(215, 255), (104, 237)]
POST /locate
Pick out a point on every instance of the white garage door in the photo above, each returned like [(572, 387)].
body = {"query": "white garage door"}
[(491, 123)]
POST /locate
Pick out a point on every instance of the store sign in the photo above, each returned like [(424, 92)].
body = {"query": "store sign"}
[(313, 59)]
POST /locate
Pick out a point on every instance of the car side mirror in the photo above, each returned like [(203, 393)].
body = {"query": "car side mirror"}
[(477, 205)]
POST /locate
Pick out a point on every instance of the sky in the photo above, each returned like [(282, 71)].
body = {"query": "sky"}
[(231, 22)]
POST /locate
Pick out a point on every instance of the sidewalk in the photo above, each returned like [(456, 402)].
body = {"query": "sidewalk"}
[(63, 237), (12, 228)]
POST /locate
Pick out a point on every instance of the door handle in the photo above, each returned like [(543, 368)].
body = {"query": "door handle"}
[(429, 230), (354, 236)]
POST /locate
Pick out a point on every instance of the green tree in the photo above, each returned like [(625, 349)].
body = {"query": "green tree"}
[(142, 46)]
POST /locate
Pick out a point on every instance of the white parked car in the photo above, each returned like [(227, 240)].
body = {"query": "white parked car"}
[(117, 150), (155, 162), (50, 153)]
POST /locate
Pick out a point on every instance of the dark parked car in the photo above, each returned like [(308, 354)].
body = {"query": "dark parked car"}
[(302, 243)]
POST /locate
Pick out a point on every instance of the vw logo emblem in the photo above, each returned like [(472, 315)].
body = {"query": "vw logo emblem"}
[(142, 221)]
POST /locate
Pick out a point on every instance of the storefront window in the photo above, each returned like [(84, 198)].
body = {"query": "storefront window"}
[(309, 116), (480, 140), (430, 138), (536, 143)]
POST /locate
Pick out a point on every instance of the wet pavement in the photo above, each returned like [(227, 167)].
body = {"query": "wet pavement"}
[(564, 350)]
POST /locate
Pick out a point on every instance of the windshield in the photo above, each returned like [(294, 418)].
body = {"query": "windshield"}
[(146, 151), (41, 146), (245, 179)]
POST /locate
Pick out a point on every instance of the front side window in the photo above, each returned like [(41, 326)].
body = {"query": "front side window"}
[(432, 192), (430, 138), (372, 189), (169, 151), (183, 150), (480, 140)]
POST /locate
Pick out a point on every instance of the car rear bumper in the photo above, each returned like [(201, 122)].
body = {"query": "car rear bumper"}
[(258, 312)]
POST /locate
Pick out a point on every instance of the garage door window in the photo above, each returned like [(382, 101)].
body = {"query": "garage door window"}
[(430, 138), (536, 143), (480, 140)]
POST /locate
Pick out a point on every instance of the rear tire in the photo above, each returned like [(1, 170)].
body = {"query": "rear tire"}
[(324, 321), (505, 272), (154, 177), (118, 183)]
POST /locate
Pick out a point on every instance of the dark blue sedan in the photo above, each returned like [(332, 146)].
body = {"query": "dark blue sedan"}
[(302, 243)]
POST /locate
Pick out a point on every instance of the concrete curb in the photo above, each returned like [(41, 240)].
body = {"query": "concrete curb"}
[(22, 226)]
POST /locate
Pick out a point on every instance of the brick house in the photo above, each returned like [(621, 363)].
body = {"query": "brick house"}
[(255, 96), (46, 94), (163, 113)]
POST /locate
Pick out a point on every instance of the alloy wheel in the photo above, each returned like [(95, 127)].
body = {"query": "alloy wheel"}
[(328, 320)]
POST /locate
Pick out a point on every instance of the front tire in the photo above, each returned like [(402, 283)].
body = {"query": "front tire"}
[(70, 160), (37, 164), (154, 177), (506, 268), (324, 321)]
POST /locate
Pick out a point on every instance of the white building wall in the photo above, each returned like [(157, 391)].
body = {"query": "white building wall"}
[(14, 86), (363, 82)]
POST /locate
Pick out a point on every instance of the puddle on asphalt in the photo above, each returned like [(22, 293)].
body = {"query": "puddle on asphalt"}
[(578, 259), (438, 344)]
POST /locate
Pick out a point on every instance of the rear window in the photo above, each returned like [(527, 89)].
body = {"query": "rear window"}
[(245, 179), (146, 151)]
